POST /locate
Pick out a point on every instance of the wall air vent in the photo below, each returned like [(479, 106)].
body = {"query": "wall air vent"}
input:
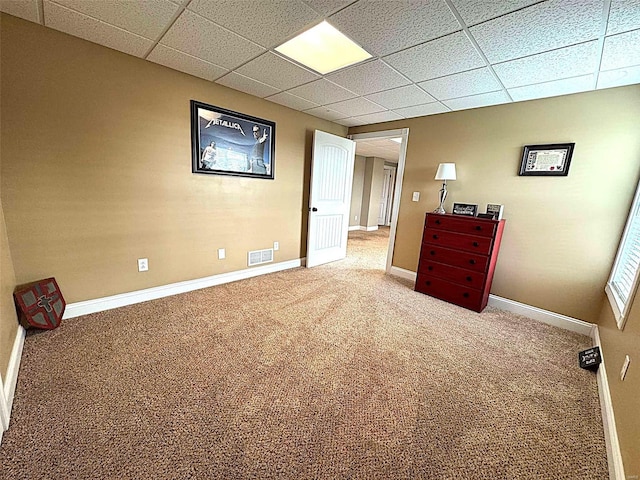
[(260, 256)]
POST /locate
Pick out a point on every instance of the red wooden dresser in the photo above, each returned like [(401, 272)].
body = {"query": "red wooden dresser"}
[(458, 258)]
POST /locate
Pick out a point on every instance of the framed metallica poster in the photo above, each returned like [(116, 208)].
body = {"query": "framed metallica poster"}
[(224, 142), (546, 160)]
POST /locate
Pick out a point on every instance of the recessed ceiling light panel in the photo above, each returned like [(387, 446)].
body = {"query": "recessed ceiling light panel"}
[(323, 49)]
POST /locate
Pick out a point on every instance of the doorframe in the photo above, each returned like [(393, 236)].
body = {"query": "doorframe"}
[(402, 133)]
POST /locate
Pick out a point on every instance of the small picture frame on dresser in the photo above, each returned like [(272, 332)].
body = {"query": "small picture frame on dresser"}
[(488, 216), (466, 209)]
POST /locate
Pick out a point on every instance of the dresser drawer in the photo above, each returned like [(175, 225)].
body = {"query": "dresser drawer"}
[(461, 276), (469, 243), (473, 226), (450, 292), (456, 258)]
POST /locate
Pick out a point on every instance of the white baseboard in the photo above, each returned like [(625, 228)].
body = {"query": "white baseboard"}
[(4, 412), (544, 316), (614, 457), (107, 303), (14, 367), (402, 273), (371, 229), (354, 227), (364, 229)]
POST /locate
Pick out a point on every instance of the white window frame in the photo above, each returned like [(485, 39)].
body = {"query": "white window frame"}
[(618, 305)]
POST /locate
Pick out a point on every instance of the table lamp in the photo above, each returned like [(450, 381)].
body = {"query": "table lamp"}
[(446, 171)]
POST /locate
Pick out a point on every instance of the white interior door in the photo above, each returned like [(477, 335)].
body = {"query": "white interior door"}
[(329, 198), (385, 195)]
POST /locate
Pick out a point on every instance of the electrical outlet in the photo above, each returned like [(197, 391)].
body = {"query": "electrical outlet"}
[(416, 196), (276, 245), (222, 254), (355, 218), (625, 367), (143, 264)]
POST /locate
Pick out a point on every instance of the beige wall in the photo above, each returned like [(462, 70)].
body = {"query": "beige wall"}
[(561, 233), (355, 213), (8, 318), (96, 170)]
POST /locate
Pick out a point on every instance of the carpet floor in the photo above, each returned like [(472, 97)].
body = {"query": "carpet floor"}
[(335, 372)]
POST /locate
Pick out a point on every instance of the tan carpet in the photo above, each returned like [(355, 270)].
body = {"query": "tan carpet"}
[(334, 372)]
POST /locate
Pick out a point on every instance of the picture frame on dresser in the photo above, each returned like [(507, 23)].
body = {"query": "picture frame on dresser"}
[(466, 209)]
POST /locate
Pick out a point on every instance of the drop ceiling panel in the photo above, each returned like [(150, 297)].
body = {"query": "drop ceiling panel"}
[(291, 101), (327, 7), (384, 27), (444, 56), (277, 71), (80, 25), (622, 50), (247, 85), (476, 101), (420, 110), (26, 9), (266, 22), (355, 107), (538, 28), (554, 65), (326, 113), (147, 19), (462, 84), (623, 16), (618, 78), (203, 39), (185, 63), (401, 97), (552, 89), (349, 122), (476, 11), (322, 92), (368, 77), (377, 117)]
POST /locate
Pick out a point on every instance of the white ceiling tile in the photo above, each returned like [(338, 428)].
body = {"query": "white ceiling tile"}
[(378, 117), (268, 23), (25, 9), (185, 63), (291, 101), (276, 71), (348, 122), (541, 27), (384, 27), (476, 11), (327, 7), (552, 89), (624, 15), (618, 78), (356, 106), (203, 39), (326, 113), (421, 110), (368, 77), (401, 97), (462, 84), (147, 19), (322, 92), (622, 50), (476, 101), (554, 65), (443, 56), (246, 85), (80, 25)]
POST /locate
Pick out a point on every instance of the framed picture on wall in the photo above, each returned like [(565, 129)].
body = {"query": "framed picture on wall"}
[(224, 142), (546, 160)]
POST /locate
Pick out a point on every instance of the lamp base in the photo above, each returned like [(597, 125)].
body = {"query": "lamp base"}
[(440, 210)]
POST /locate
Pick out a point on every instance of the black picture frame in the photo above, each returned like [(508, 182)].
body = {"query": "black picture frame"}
[(465, 209), (224, 142), (552, 160)]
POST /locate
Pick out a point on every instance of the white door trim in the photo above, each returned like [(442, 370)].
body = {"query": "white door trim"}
[(397, 189)]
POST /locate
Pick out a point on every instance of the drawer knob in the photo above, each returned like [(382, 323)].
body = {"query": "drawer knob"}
[(427, 283), (437, 222), (476, 244), (432, 252), (429, 268), (435, 237), (469, 278), (465, 295), (472, 261), (478, 227)]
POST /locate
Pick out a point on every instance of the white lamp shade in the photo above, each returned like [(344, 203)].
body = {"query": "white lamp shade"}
[(446, 171)]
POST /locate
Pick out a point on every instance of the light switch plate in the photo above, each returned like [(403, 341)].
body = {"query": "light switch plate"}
[(416, 196), (222, 254)]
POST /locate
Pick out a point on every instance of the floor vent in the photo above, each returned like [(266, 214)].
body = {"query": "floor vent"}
[(260, 256)]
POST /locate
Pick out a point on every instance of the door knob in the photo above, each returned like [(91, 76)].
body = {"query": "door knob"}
[(314, 209)]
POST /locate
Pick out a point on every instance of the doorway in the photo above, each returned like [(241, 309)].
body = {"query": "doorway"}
[(380, 161)]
